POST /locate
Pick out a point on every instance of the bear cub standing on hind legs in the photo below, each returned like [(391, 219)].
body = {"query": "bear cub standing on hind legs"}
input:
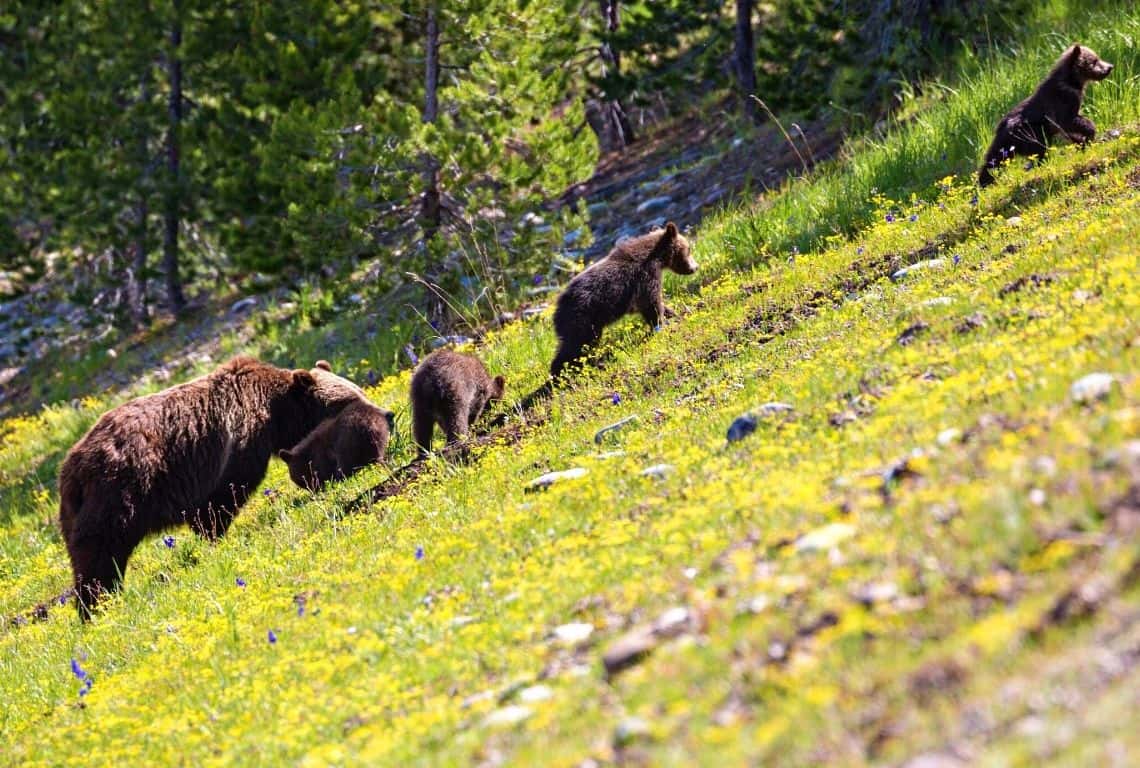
[(627, 280), (451, 389), (1054, 108), (189, 454)]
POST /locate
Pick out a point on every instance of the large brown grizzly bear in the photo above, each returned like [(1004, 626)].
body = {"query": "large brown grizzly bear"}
[(452, 390), (338, 447), (1054, 108), (627, 280), (189, 454)]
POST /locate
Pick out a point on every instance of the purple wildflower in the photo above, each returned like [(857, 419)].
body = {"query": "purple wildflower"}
[(538, 279), (269, 492), (974, 199), (957, 259), (239, 581), (615, 398), (913, 218), (272, 637), (168, 541), (77, 670), (419, 553), (86, 687), (890, 218), (859, 251)]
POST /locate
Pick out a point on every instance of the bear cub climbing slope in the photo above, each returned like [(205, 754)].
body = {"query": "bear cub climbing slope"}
[(1054, 108), (627, 280), (189, 454), (450, 389)]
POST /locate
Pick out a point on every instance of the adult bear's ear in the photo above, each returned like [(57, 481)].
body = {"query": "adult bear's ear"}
[(500, 387), (323, 365), (670, 230), (285, 455), (304, 380)]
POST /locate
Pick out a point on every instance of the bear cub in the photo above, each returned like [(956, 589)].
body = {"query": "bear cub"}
[(340, 446), (627, 280), (450, 389), (189, 454), (1054, 108)]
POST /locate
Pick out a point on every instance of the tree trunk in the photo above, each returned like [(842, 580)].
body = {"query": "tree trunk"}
[(173, 166), (136, 273), (612, 111), (745, 56), (430, 211)]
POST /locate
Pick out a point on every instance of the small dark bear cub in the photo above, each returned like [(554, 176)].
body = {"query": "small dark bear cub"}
[(1053, 109), (341, 446), (190, 454), (627, 280), (452, 390)]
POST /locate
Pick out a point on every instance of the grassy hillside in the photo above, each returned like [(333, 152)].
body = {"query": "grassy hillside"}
[(934, 551)]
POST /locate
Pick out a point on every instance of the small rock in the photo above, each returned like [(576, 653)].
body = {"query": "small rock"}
[(462, 621), (1094, 386), (774, 408), (876, 592), (628, 650), (535, 694), (948, 436), (604, 455), (1013, 221), (654, 204), (573, 634), (825, 537), (630, 730), (938, 301), (741, 427), (508, 716), (921, 266), (8, 374), (550, 478), (242, 305), (532, 219), (571, 237), (658, 470), (531, 312), (759, 604), (601, 433), (673, 622)]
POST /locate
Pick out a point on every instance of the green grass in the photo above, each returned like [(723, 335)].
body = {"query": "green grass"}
[(400, 660)]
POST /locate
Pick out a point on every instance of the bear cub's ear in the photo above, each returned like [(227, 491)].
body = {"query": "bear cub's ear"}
[(285, 455), (323, 365), (304, 379), (500, 385), (670, 230), (1075, 53), (391, 419)]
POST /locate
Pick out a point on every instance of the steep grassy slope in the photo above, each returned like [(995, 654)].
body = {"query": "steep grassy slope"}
[(937, 549)]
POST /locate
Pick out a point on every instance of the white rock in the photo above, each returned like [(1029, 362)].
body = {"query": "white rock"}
[(947, 436), (921, 266), (535, 694), (550, 478), (508, 716), (824, 537), (1094, 386), (573, 634), (673, 622), (658, 470)]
